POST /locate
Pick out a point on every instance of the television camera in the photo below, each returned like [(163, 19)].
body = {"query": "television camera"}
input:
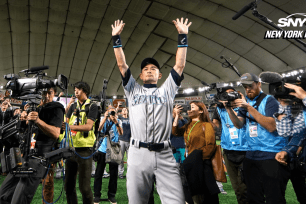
[(222, 95), (29, 89), (276, 83)]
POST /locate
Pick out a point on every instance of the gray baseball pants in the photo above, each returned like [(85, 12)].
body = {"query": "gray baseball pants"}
[(124, 148), (143, 165)]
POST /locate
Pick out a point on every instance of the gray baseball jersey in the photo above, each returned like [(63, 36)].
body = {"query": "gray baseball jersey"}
[(151, 121), (150, 110)]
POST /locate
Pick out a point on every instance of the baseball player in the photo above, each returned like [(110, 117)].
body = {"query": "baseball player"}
[(151, 122)]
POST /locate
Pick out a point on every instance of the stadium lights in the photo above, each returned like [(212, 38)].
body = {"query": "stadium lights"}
[(189, 90), (201, 89)]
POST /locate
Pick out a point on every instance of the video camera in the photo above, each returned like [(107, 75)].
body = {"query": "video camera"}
[(277, 82), (24, 86), (29, 89), (222, 95)]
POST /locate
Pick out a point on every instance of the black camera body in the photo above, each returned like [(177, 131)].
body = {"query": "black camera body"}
[(228, 96), (112, 113), (278, 90), (25, 86)]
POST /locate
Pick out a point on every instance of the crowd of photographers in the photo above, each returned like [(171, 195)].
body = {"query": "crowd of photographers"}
[(262, 139)]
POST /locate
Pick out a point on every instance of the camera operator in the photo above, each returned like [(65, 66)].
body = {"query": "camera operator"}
[(48, 119), (292, 125), (265, 178), (111, 126), (81, 118), (234, 145)]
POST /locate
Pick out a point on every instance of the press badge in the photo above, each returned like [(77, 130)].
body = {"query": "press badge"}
[(234, 135), (253, 130)]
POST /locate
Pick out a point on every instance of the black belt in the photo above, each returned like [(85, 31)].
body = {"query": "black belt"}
[(151, 146)]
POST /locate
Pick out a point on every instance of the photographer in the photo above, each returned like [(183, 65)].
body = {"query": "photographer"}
[(111, 126), (291, 124), (265, 178), (6, 113), (81, 118), (234, 145), (48, 119)]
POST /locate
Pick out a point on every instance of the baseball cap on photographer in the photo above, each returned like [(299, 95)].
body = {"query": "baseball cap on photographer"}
[(249, 78), (147, 61)]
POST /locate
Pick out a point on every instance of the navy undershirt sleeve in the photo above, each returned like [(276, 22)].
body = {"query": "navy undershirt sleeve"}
[(176, 77), (126, 79), (271, 106), (242, 112)]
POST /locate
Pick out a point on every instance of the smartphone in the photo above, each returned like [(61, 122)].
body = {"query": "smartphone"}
[(185, 108)]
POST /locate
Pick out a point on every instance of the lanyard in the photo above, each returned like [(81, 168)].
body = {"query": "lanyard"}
[(191, 130)]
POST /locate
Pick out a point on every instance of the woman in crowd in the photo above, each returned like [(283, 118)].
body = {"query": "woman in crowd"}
[(199, 138)]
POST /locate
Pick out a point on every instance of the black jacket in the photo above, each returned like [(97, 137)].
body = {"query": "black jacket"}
[(199, 174)]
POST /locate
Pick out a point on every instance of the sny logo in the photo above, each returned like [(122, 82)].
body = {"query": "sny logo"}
[(289, 21)]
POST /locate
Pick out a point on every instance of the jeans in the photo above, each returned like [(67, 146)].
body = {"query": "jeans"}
[(73, 165), (179, 155), (113, 171)]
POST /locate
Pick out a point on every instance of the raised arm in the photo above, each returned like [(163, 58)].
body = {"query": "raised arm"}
[(182, 28), (120, 57)]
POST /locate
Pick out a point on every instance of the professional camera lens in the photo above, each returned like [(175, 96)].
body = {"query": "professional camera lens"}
[(113, 113)]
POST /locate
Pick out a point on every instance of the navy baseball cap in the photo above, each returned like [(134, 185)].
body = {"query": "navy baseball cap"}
[(147, 61), (248, 78)]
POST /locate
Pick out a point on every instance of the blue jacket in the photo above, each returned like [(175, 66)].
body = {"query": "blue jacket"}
[(265, 141), (114, 135), (239, 144)]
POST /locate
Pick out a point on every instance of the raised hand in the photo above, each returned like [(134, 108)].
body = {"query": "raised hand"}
[(117, 27), (181, 26)]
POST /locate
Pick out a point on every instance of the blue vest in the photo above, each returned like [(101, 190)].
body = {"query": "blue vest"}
[(239, 144), (265, 141)]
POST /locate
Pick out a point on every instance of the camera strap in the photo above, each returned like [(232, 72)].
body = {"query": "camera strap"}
[(256, 105)]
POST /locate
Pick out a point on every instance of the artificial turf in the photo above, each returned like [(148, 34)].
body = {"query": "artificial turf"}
[(121, 195)]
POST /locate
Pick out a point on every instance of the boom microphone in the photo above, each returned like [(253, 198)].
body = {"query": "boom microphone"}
[(204, 83), (270, 77), (35, 69), (244, 10)]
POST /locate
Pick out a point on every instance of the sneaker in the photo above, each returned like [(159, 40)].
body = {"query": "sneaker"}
[(106, 175), (121, 176), (93, 174), (223, 191), (58, 174), (96, 200), (112, 200)]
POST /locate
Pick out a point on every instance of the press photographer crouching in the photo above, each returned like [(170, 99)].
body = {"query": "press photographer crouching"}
[(290, 123), (48, 118), (233, 141), (265, 178), (81, 118)]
